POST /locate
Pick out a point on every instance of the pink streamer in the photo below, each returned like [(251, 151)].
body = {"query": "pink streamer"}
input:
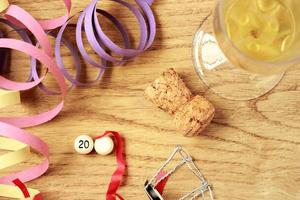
[(11, 126)]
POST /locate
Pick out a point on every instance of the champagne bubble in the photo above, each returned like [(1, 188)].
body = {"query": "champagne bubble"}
[(270, 32), (273, 26), (253, 47), (286, 43), (267, 5), (284, 33), (244, 20)]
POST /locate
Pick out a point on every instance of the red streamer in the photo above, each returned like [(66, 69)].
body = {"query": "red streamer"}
[(38, 197), (24, 190), (117, 177), (22, 187)]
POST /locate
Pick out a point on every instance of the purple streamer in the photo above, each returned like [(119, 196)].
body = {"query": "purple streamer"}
[(101, 44)]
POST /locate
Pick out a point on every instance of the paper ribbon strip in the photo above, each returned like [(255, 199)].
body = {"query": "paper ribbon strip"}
[(44, 56), (22, 187), (14, 192), (3, 5), (20, 191), (55, 23), (8, 97), (89, 21), (27, 193), (117, 177), (29, 174), (10, 127), (89, 25), (47, 24), (21, 152), (34, 142)]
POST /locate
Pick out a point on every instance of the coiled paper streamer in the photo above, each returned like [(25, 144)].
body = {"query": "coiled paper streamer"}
[(27, 193), (21, 152), (9, 98), (47, 24), (10, 127), (89, 25), (3, 5)]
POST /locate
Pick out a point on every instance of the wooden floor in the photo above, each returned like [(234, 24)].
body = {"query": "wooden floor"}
[(250, 151)]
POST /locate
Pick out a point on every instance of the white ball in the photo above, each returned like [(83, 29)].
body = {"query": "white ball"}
[(104, 145), (84, 144)]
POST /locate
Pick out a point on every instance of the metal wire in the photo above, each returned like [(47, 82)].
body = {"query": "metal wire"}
[(186, 159)]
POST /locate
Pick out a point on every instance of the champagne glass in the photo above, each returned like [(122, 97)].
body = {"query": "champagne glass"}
[(243, 49)]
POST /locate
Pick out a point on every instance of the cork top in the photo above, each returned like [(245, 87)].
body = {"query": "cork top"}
[(193, 117), (168, 92)]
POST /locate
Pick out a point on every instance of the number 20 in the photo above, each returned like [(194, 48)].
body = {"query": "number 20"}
[(84, 144)]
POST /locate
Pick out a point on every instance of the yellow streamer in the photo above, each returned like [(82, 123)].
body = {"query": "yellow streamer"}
[(19, 151), (8, 97), (3, 5), (11, 191)]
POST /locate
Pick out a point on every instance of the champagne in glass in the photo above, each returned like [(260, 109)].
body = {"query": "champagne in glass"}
[(261, 29), (260, 36)]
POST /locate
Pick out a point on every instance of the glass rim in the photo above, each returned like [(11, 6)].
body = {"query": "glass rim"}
[(219, 8)]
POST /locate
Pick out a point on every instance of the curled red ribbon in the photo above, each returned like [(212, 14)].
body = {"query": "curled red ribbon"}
[(11, 127), (22, 187), (25, 191), (117, 177)]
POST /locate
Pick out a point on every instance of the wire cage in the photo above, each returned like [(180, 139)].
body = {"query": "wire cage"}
[(203, 191)]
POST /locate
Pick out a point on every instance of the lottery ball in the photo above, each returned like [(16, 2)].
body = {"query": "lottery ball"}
[(104, 145), (84, 144)]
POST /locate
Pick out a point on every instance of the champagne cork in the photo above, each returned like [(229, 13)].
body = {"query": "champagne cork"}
[(191, 114), (168, 92)]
